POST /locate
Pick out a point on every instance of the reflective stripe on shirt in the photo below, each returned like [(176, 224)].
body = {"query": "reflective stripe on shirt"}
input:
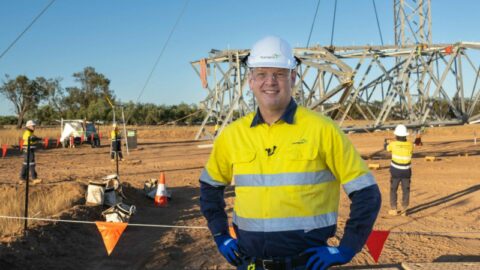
[(285, 224), (283, 179), (359, 183), (401, 157), (206, 178), (400, 167)]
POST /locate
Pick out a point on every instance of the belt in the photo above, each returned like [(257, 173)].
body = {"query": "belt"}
[(282, 263)]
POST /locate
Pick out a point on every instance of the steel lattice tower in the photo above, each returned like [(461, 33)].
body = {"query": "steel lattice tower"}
[(413, 82)]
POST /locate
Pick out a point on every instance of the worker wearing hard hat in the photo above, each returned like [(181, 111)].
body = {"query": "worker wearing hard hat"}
[(400, 169), (288, 164), (116, 146), (29, 139)]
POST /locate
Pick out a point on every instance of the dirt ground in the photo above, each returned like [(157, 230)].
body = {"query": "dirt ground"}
[(442, 224)]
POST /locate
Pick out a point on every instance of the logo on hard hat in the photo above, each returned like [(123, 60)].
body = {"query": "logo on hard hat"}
[(273, 56)]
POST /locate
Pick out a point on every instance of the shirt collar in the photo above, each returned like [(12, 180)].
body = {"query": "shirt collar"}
[(287, 116)]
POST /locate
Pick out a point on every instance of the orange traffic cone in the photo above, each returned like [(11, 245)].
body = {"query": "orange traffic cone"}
[(161, 196)]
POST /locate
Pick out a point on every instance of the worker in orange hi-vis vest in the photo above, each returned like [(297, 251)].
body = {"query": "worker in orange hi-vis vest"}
[(400, 169), (116, 139), (29, 156)]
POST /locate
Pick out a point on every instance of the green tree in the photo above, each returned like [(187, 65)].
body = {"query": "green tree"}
[(89, 99), (47, 114), (25, 94), (55, 97), (8, 120)]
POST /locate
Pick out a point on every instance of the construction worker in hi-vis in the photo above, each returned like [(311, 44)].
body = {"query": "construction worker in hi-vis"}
[(116, 146), (400, 169), (288, 164), (29, 138)]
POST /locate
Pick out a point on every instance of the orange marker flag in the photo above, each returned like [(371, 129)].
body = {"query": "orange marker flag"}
[(45, 142), (4, 150), (111, 232), (20, 143), (231, 230), (203, 72), (375, 243)]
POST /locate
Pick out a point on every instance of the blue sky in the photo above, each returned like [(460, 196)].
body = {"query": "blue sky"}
[(122, 39)]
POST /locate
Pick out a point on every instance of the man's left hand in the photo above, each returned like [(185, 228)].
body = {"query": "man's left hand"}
[(229, 249), (326, 256)]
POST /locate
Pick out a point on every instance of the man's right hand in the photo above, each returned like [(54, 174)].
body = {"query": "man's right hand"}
[(229, 249)]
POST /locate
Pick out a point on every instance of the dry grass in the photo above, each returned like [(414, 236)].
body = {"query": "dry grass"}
[(11, 136), (43, 202), (167, 133)]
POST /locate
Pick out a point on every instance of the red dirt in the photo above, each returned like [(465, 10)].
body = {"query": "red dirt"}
[(442, 226)]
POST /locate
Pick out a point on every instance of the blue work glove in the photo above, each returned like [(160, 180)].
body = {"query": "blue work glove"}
[(326, 256), (229, 249)]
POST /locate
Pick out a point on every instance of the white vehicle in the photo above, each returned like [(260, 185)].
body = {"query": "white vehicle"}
[(77, 129)]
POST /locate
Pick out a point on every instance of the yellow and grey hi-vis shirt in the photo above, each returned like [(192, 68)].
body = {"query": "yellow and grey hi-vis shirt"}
[(400, 166), (287, 177), (401, 154), (27, 134), (115, 135)]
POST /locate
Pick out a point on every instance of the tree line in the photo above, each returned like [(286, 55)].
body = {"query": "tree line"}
[(46, 101)]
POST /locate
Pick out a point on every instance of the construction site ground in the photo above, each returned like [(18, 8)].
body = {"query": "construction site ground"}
[(442, 226)]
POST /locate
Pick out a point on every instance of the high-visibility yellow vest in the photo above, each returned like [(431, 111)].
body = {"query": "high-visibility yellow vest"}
[(27, 134), (115, 135), (287, 176), (401, 154)]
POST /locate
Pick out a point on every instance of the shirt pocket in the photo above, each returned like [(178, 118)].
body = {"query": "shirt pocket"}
[(303, 158), (304, 152), (242, 161)]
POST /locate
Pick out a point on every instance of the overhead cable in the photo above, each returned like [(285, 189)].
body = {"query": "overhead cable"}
[(378, 22), (313, 23), (160, 55), (163, 49), (333, 24), (26, 29)]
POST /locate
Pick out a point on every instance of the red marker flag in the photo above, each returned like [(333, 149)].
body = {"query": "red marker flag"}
[(111, 232), (45, 143), (375, 243), (4, 150)]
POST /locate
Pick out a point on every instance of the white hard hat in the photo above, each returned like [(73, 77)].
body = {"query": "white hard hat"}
[(271, 51), (114, 125), (30, 123), (400, 131)]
